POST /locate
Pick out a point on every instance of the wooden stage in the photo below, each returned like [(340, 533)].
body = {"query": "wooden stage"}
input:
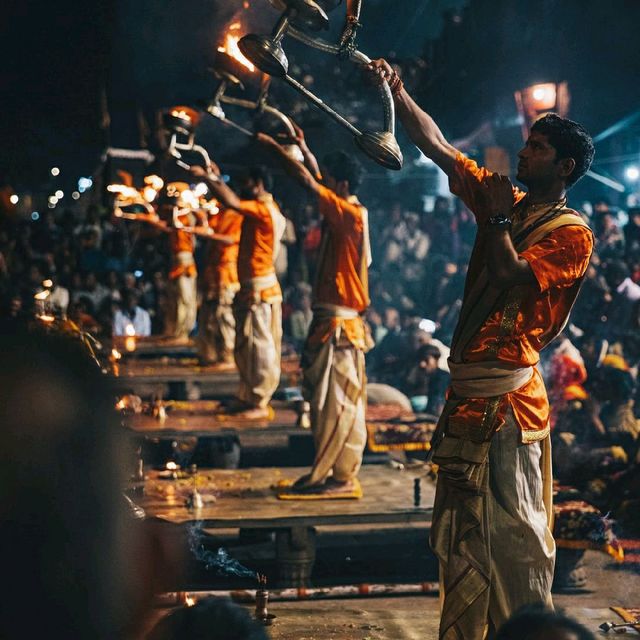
[(245, 499), (202, 418), (172, 377)]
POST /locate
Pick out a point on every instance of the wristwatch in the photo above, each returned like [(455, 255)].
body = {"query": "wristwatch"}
[(498, 221)]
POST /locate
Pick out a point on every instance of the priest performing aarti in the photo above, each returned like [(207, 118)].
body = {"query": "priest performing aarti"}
[(492, 513), (257, 306), (219, 284), (333, 357)]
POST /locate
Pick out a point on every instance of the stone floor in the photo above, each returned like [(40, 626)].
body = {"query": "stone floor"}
[(416, 617)]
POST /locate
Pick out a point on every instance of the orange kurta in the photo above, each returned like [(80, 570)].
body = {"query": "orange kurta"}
[(258, 245), (221, 270), (182, 242), (342, 270), (531, 315)]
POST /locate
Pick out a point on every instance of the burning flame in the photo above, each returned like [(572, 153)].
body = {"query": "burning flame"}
[(200, 189), (180, 113), (149, 194), (154, 181), (43, 295), (230, 47), (115, 354), (47, 283), (171, 466), (124, 190), (120, 405), (189, 602)]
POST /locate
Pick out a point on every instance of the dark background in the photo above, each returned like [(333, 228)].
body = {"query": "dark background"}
[(76, 76)]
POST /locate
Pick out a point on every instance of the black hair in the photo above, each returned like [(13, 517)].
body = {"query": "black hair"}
[(534, 622), (259, 173), (209, 619), (570, 140), (428, 350), (342, 166)]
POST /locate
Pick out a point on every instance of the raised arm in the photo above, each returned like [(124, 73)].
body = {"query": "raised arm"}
[(310, 160), (224, 194), (294, 169), (419, 125)]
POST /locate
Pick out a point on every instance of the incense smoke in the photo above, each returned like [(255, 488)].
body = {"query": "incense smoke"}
[(220, 561)]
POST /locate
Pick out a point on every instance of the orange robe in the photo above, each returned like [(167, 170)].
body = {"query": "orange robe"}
[(259, 242), (518, 330), (341, 278), (333, 361), (221, 270), (182, 242), (257, 306)]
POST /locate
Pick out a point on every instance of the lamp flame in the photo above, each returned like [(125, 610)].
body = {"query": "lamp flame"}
[(230, 47)]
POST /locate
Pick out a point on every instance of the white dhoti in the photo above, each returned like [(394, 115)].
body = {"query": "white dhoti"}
[(182, 297), (334, 385), (217, 328), (491, 527), (257, 351)]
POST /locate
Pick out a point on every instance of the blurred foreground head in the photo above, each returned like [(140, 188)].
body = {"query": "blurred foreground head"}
[(539, 623), (64, 532), (209, 619)]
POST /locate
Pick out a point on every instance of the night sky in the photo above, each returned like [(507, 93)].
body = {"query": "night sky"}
[(65, 61)]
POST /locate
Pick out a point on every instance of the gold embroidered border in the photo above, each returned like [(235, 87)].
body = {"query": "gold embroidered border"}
[(529, 437), (509, 317)]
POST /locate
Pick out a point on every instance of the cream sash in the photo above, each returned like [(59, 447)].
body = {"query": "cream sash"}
[(334, 311), (260, 283), (277, 219), (487, 379), (183, 259)]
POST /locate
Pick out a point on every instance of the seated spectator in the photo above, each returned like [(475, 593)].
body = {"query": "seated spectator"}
[(388, 361), (209, 619), (59, 297), (300, 319), (131, 316), (91, 289), (427, 379), (536, 622)]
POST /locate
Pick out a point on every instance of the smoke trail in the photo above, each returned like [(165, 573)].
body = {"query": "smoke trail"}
[(220, 561)]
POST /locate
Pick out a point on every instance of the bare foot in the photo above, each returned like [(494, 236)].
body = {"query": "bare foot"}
[(255, 413)]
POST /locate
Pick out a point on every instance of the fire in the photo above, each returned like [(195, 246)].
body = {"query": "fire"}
[(115, 354), (230, 47), (171, 466), (149, 194), (180, 113), (124, 190), (43, 295), (154, 181), (189, 602)]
